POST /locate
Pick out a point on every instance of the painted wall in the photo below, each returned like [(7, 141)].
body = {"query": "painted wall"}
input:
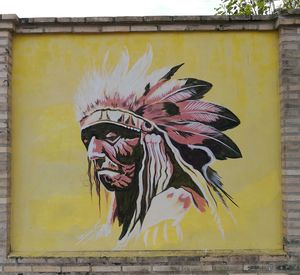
[(51, 203)]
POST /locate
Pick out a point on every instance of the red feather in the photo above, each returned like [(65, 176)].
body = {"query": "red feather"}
[(204, 112), (182, 94), (192, 110), (191, 133)]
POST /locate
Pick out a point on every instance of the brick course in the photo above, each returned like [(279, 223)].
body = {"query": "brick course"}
[(231, 262)]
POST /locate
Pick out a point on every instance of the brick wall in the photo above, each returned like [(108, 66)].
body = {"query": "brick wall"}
[(289, 45), (230, 262)]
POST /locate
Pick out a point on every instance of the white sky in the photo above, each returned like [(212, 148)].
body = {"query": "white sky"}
[(81, 8)]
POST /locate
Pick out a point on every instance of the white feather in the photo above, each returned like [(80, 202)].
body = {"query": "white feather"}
[(135, 80), (156, 75), (98, 85)]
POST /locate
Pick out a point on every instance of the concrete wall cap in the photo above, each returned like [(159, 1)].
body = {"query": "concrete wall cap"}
[(9, 17)]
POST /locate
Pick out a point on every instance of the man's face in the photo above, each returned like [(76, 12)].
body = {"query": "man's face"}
[(114, 150)]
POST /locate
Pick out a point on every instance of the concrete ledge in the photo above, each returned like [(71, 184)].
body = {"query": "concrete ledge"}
[(112, 28), (148, 23), (144, 19), (292, 12)]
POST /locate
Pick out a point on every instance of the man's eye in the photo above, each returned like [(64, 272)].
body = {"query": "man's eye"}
[(112, 137)]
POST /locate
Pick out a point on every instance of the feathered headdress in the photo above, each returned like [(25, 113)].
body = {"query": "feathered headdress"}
[(192, 128)]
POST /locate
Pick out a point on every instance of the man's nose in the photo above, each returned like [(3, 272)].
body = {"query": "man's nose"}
[(95, 149)]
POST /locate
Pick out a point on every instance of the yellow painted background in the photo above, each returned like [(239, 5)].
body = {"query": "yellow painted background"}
[(51, 203)]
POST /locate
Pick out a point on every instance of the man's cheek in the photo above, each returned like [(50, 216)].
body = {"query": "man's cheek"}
[(110, 150), (124, 148)]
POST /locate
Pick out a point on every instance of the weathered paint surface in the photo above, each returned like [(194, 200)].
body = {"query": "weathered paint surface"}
[(51, 200)]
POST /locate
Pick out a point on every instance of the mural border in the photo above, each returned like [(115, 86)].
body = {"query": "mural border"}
[(287, 24)]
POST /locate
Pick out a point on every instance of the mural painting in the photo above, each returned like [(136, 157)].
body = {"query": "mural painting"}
[(154, 143), (150, 139)]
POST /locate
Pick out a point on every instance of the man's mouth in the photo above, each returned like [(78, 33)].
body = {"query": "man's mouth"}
[(108, 172), (107, 177)]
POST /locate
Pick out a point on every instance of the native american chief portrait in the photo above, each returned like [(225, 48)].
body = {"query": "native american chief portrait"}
[(150, 141)]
